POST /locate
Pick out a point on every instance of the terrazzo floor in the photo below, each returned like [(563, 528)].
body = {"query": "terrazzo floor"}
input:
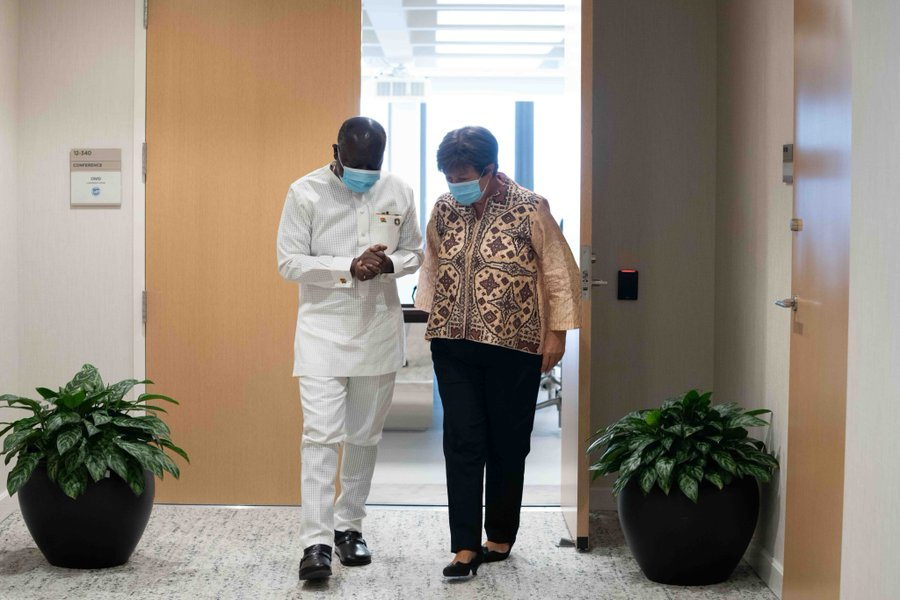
[(221, 553)]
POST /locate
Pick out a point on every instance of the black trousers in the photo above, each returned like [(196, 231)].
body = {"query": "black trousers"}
[(489, 395)]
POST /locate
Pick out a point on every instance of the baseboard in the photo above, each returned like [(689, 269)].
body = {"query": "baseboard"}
[(7, 505), (601, 498), (766, 566)]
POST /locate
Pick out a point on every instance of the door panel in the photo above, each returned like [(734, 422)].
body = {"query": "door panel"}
[(818, 379), (242, 99)]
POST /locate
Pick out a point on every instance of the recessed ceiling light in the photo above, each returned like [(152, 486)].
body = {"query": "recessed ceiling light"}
[(478, 64), (490, 49), (505, 2), (500, 17), (498, 35)]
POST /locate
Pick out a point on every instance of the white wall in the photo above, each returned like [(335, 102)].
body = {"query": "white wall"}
[(9, 277), (753, 242), (871, 528), (654, 204), (76, 89)]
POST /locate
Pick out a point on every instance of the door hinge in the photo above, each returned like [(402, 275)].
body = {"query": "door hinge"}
[(144, 162), (144, 307), (146, 10)]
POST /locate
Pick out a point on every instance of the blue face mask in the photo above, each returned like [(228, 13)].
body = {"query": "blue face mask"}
[(467, 193), (359, 180)]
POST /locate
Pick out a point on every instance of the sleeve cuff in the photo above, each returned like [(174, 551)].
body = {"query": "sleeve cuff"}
[(340, 272), (395, 260)]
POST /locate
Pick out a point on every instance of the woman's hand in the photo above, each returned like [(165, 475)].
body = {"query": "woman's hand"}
[(554, 348)]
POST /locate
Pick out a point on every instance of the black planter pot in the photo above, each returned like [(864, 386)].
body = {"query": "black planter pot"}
[(101, 528), (678, 542)]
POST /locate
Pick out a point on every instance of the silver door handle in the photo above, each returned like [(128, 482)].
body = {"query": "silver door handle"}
[(790, 303), (599, 282)]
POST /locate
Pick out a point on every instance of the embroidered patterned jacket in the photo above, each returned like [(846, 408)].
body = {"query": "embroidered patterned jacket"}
[(503, 279)]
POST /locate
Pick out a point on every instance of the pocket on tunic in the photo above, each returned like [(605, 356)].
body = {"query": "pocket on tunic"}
[(386, 230)]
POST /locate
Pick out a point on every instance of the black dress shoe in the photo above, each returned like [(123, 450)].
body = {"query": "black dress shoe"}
[(493, 555), (461, 569), (316, 563), (351, 548)]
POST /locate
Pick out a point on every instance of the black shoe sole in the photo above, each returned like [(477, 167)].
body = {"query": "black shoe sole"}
[(323, 573)]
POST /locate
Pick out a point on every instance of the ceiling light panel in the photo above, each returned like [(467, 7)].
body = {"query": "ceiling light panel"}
[(498, 35), (523, 49), (541, 3), (502, 18)]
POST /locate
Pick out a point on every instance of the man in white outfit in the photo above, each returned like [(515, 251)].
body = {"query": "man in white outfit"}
[(347, 232)]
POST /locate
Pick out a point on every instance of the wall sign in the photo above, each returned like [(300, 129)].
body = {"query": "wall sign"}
[(95, 177)]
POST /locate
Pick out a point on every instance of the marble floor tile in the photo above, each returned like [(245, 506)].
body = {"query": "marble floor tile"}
[(225, 553)]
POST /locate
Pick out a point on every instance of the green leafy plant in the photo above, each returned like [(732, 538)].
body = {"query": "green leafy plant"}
[(683, 443), (86, 431)]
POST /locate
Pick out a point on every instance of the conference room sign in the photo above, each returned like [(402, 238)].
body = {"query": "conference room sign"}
[(95, 177)]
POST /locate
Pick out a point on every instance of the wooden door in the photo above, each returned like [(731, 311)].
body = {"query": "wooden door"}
[(818, 379), (576, 405), (243, 97)]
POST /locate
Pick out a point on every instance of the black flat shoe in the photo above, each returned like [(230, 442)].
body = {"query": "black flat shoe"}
[(351, 548), (461, 569), (493, 555), (316, 563)]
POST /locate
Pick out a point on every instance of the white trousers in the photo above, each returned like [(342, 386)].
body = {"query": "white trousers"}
[(339, 410)]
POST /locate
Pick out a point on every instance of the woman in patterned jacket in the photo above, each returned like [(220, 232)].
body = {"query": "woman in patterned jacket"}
[(501, 287)]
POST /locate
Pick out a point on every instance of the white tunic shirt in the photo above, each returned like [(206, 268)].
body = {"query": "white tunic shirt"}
[(347, 327)]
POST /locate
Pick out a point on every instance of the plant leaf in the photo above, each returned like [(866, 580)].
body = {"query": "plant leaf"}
[(87, 379), (647, 479), (664, 468), (761, 474), (26, 423), (18, 439), (119, 390), (72, 400), (695, 471), (11, 400), (745, 420), (688, 485), (168, 444), (145, 397), (53, 461), (46, 394), (117, 461), (132, 423), (653, 417), (724, 460), (96, 463), (58, 419), (90, 428), (100, 418), (73, 482), (758, 411), (22, 472), (715, 479), (135, 478), (144, 455), (66, 440)]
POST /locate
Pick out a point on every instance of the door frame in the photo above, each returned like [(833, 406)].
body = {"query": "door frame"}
[(577, 521), (139, 347), (575, 503)]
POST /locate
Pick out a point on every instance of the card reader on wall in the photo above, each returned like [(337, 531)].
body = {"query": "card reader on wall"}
[(628, 284)]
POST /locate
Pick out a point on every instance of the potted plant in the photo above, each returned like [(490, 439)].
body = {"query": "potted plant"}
[(86, 457), (687, 485)]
